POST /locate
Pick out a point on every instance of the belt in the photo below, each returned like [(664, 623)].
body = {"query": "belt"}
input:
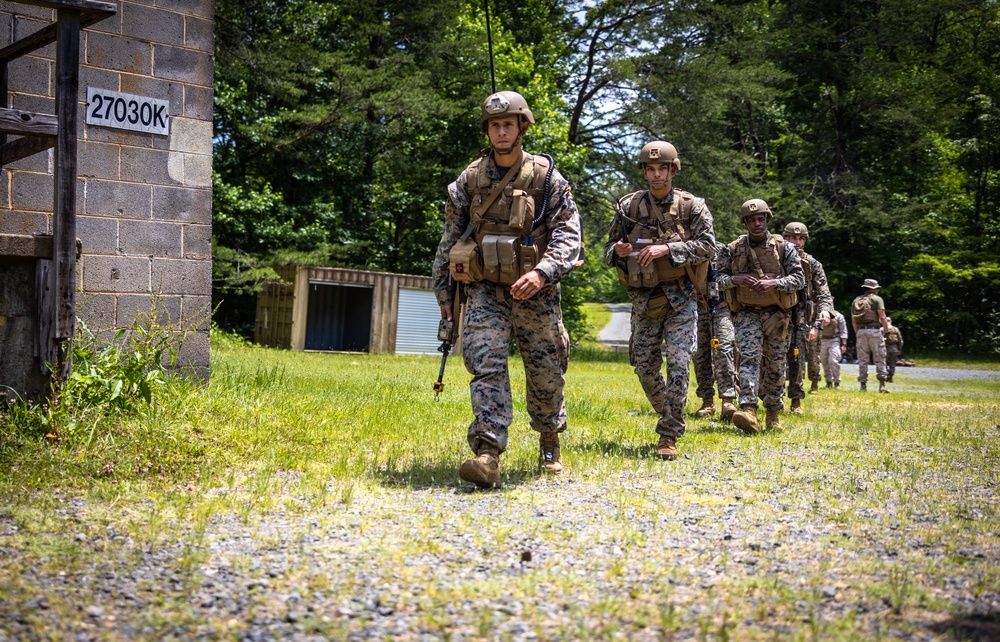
[(870, 326)]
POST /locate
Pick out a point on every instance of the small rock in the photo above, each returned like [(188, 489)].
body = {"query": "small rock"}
[(385, 611), (80, 537), (94, 611)]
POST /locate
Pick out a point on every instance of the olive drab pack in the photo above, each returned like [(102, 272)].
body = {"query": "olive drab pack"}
[(500, 245), (651, 226), (892, 336), (829, 331), (765, 262), (861, 310)]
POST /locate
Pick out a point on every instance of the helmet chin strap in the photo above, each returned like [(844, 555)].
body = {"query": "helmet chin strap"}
[(513, 146)]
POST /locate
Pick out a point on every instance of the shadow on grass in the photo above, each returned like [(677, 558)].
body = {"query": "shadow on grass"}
[(975, 627), (445, 475)]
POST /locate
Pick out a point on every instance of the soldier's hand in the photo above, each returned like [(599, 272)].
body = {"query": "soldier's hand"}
[(623, 249), (813, 333), (528, 285), (765, 285), (746, 280), (650, 253), (446, 312)]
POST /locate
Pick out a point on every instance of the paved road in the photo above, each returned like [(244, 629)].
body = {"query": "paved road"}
[(617, 331)]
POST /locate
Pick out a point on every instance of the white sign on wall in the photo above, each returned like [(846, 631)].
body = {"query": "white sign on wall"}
[(127, 111)]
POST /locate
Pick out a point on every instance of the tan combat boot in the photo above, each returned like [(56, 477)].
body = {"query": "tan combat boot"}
[(666, 449), (814, 387), (771, 419), (746, 419), (796, 407), (707, 407), (882, 388), (550, 457), (484, 469), (728, 409)]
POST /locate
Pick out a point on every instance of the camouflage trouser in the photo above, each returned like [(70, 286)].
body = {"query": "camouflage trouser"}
[(812, 355), (871, 344), (891, 354), (796, 364), (491, 321), (830, 356), (762, 360), (715, 365), (679, 329)]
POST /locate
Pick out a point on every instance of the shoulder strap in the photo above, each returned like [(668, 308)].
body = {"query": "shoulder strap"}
[(754, 259), (495, 193)]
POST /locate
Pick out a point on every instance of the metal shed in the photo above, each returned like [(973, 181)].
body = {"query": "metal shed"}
[(342, 310)]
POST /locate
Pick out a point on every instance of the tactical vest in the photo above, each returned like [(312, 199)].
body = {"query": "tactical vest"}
[(861, 310), (892, 336), (830, 331), (807, 292), (504, 241), (652, 226), (769, 264)]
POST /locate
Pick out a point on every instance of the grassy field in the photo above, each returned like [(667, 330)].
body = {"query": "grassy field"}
[(312, 496)]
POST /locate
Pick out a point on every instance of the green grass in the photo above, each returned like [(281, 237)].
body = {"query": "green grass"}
[(896, 494)]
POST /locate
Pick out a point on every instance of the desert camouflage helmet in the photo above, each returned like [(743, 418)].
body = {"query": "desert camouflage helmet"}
[(796, 229), (754, 206), (659, 151), (505, 103)]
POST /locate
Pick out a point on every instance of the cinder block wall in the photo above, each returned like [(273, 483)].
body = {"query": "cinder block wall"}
[(144, 201)]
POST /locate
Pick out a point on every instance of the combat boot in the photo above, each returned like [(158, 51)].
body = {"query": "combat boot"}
[(829, 384), (771, 419), (707, 407), (796, 407), (484, 469), (864, 387), (888, 379), (728, 409), (666, 449), (746, 419), (836, 386), (814, 387), (550, 457), (882, 388)]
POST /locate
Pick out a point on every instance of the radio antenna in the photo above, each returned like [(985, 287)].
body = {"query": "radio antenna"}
[(489, 40)]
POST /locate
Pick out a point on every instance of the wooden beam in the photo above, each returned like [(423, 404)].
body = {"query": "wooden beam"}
[(20, 148), (81, 5), (46, 36), (15, 121), (25, 245), (64, 211)]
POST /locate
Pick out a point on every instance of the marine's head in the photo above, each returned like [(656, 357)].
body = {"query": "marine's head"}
[(796, 233), (756, 214)]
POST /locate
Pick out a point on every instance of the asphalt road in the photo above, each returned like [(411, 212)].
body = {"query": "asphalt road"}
[(616, 333)]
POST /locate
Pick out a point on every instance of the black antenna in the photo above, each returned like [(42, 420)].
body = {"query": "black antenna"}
[(489, 39)]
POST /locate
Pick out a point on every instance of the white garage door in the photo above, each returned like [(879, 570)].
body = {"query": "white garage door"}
[(417, 324)]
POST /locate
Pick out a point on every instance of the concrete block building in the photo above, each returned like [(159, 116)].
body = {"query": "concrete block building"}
[(139, 202)]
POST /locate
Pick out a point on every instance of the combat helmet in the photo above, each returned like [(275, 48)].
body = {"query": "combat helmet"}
[(505, 103), (796, 229), (659, 151), (755, 206)]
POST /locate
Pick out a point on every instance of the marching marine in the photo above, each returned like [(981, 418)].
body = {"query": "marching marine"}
[(868, 318), (660, 242), (833, 344), (761, 278), (714, 361), (510, 247), (893, 348), (815, 305)]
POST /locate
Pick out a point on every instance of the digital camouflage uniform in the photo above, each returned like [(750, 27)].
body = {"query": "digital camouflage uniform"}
[(832, 338), (893, 348), (762, 358), (813, 359), (493, 318), (715, 365), (820, 291), (678, 327)]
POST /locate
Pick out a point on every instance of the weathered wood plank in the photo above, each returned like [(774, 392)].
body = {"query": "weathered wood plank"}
[(16, 121), (20, 148), (45, 37), (28, 245), (82, 5), (64, 211)]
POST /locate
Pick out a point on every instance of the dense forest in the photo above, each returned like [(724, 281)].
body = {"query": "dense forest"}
[(338, 125)]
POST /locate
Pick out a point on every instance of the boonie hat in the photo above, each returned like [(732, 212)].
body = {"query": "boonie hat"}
[(870, 284)]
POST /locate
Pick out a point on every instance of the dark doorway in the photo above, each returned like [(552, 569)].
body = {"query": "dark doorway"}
[(339, 317)]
